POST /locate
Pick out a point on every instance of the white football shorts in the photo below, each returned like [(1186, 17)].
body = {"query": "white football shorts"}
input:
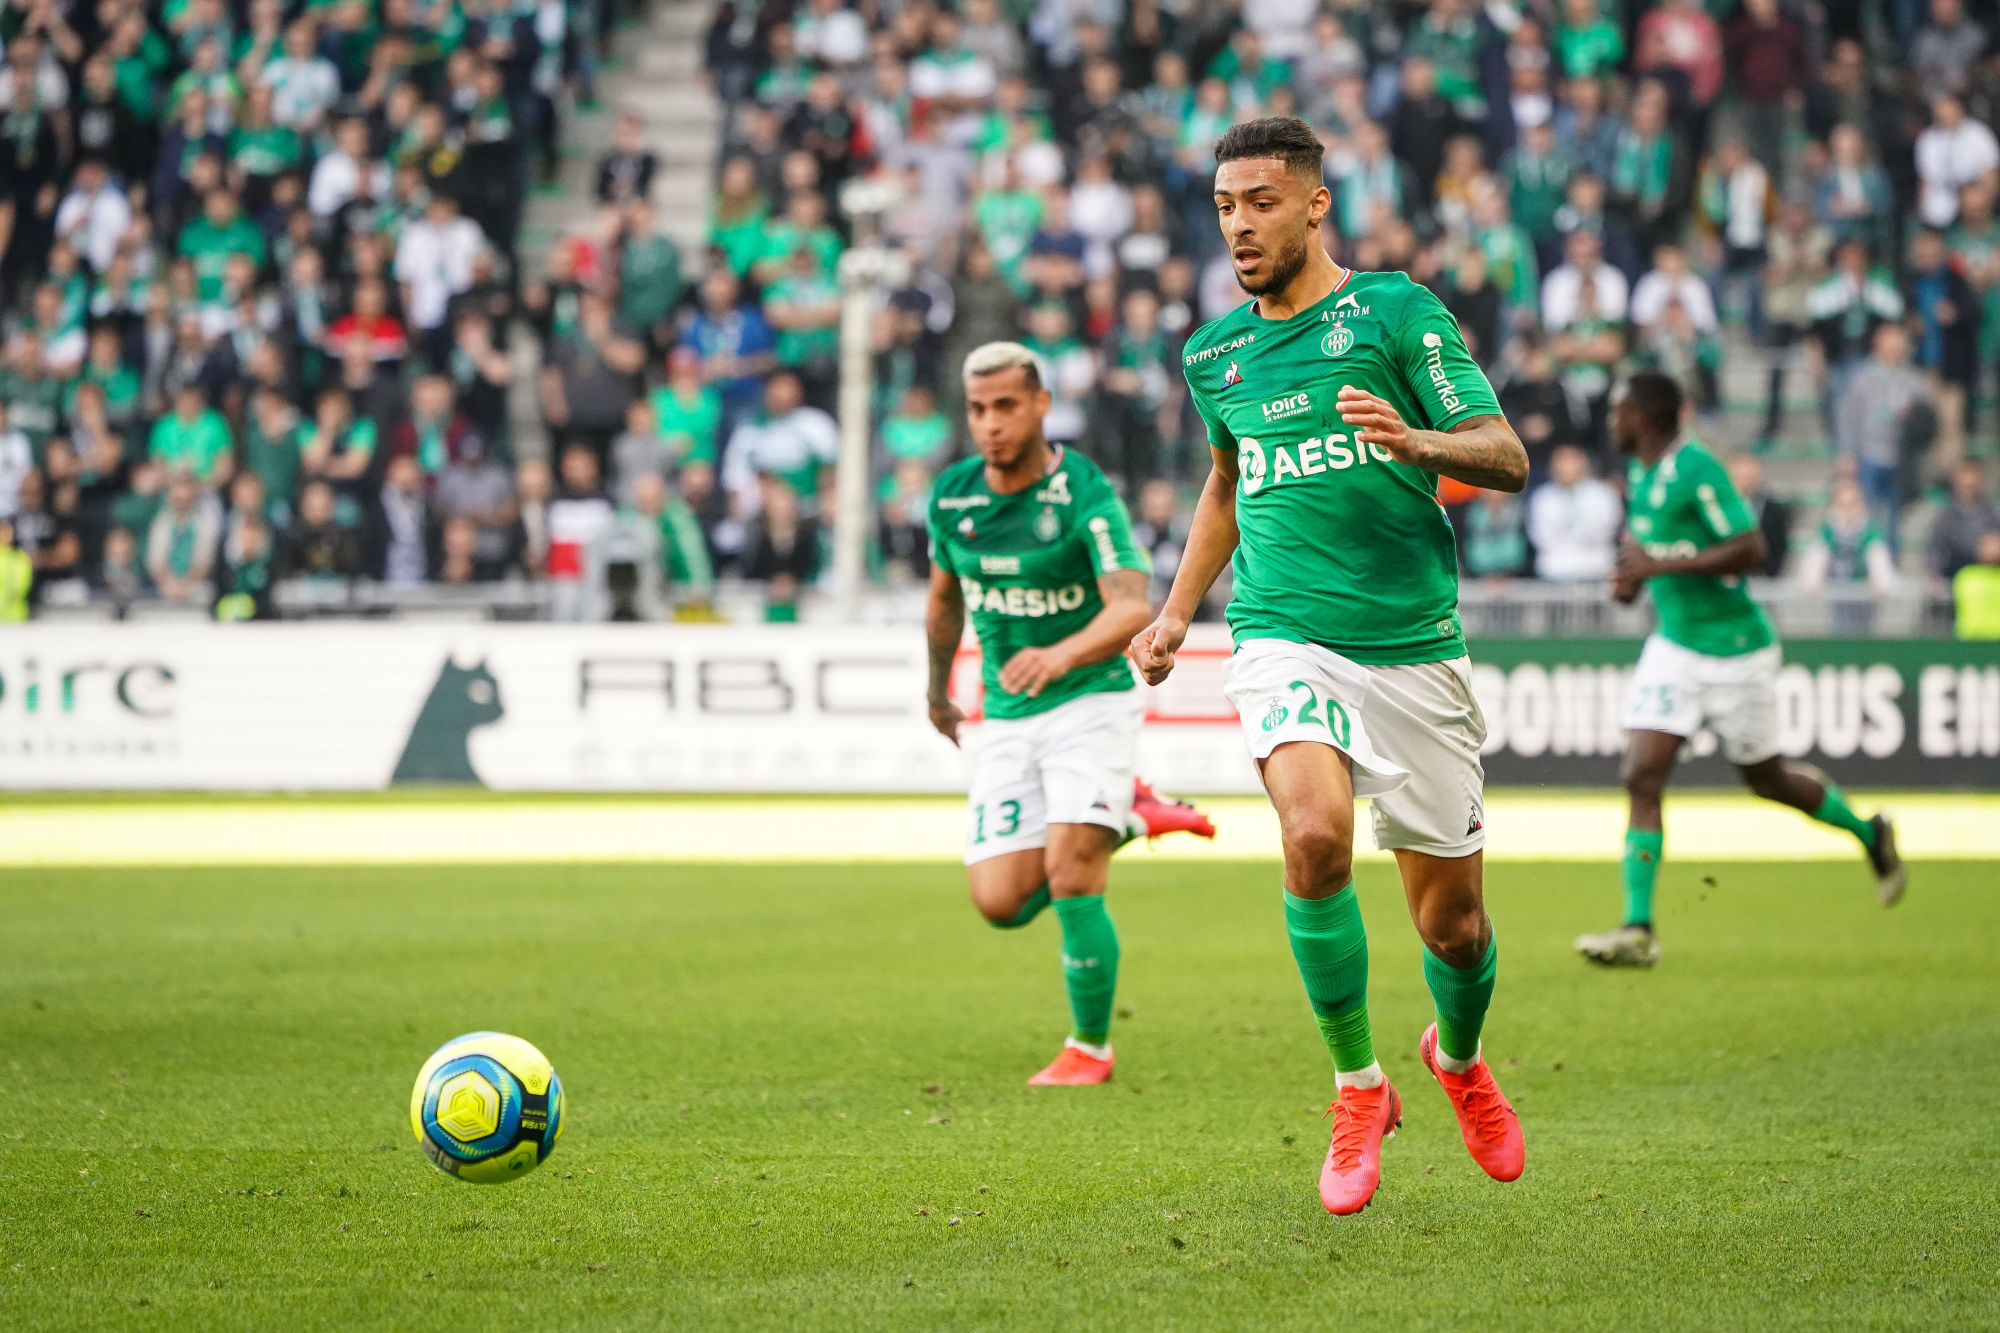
[(1071, 765), (1678, 690), (1411, 734)]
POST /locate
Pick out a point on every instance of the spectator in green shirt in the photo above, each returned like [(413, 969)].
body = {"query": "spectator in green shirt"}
[(804, 307), (193, 438), (1642, 167), (736, 222), (1537, 173), (104, 366), (1587, 42), (271, 449), (803, 226), (649, 274), (917, 431), (260, 148), (339, 448), (220, 232), (1251, 75), (686, 412), (33, 396), (684, 559), (1007, 219)]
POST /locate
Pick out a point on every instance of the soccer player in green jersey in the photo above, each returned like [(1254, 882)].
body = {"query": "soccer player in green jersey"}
[(1713, 660), (1032, 540), (1334, 401)]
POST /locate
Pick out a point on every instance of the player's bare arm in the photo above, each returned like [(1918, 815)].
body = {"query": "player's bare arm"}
[(1125, 610), (944, 628), (1741, 554), (1480, 451), (1212, 539)]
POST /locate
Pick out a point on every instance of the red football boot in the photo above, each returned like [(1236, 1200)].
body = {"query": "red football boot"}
[(1362, 1118), (1485, 1117), (1163, 814), (1075, 1067)]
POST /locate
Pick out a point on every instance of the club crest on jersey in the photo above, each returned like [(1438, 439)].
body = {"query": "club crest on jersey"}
[(1337, 341), (1275, 715), (1231, 376), (1047, 525)]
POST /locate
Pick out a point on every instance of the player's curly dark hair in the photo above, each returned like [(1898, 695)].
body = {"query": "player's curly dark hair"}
[(1287, 138), (1658, 398)]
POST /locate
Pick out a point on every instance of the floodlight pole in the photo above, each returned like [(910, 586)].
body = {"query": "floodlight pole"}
[(865, 270)]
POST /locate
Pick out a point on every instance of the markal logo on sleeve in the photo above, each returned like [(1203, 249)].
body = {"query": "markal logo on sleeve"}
[(1434, 363)]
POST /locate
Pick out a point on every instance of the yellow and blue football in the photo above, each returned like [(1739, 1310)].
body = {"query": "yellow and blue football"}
[(487, 1108)]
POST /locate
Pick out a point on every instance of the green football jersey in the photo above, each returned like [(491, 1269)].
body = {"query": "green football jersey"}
[(1029, 564), (1341, 545), (1682, 505)]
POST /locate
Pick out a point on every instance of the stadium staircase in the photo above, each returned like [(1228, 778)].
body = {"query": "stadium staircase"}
[(655, 70)]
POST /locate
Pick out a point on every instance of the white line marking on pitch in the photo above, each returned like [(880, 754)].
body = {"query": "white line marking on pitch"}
[(1519, 827)]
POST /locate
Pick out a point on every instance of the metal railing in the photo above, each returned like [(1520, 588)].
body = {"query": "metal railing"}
[(1508, 608)]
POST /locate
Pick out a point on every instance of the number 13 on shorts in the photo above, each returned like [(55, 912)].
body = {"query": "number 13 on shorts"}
[(1006, 820)]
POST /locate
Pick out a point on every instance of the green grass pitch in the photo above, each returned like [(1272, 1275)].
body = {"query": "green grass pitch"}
[(796, 1101)]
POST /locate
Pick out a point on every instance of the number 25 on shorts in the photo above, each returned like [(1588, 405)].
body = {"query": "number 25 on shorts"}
[(1332, 716)]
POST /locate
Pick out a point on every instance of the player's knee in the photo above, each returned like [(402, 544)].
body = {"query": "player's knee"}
[(1319, 854), (995, 908), (1767, 780), (1455, 931), (1072, 875), (996, 914), (1642, 780)]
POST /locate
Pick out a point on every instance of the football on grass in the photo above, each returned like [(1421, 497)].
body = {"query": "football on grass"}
[(487, 1108)]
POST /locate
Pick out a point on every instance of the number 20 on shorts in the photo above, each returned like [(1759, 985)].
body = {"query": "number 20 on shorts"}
[(1333, 717)]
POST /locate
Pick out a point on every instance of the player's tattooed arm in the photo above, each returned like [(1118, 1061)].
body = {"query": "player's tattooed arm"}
[(1212, 539), (944, 627), (1480, 451), (1125, 609)]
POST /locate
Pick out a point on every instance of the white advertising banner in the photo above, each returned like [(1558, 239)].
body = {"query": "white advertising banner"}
[(343, 705), (797, 708)]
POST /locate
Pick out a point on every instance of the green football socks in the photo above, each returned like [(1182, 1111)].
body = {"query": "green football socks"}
[(1461, 996), (1834, 810), (1331, 949), (1090, 965), (1030, 909), (1639, 868)]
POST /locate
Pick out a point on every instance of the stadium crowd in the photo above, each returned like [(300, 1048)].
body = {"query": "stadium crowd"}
[(262, 274)]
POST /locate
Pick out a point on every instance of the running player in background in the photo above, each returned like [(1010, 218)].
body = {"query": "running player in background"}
[(1713, 660), (1033, 540), (1334, 400)]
